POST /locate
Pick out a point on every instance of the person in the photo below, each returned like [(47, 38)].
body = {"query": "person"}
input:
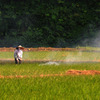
[(18, 53)]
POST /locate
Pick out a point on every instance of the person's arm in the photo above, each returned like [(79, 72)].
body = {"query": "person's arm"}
[(21, 55), (15, 53)]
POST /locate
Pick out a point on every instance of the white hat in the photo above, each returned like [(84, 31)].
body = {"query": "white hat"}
[(20, 47)]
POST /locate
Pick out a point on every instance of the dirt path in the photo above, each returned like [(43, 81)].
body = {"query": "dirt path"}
[(83, 72), (7, 49), (70, 72)]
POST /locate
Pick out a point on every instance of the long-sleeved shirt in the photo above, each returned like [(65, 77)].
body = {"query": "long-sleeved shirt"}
[(18, 54)]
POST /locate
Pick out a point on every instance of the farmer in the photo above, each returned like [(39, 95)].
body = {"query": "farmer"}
[(18, 53)]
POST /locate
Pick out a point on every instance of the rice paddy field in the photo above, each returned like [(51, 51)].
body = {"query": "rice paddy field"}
[(46, 77), (64, 56)]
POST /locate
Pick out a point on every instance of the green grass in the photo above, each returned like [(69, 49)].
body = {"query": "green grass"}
[(90, 48), (40, 68), (55, 55), (52, 88), (49, 88)]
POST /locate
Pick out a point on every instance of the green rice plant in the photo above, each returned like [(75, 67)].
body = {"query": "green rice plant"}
[(90, 48), (61, 55), (54, 56), (68, 87), (6, 55), (39, 87), (51, 88), (43, 68)]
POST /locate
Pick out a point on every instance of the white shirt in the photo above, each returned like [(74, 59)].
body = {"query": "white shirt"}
[(18, 54)]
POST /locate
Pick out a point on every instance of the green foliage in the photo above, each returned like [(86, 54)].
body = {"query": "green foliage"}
[(42, 23)]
